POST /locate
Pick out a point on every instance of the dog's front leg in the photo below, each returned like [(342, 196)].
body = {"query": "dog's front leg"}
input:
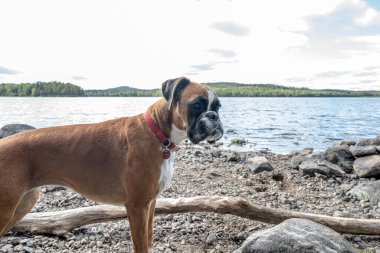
[(150, 223), (138, 216)]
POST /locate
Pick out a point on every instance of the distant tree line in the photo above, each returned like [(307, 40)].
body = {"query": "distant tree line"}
[(123, 93), (223, 89), (41, 89)]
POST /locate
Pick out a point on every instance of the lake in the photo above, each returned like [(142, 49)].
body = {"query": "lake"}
[(277, 124)]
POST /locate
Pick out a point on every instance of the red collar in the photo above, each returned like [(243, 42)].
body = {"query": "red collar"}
[(165, 141)]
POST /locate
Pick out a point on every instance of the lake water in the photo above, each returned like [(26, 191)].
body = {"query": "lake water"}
[(277, 124)]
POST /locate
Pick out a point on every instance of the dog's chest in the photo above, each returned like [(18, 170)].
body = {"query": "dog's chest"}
[(167, 170)]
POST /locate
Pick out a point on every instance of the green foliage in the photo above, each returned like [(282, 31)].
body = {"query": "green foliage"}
[(362, 197), (123, 92), (41, 89), (223, 89)]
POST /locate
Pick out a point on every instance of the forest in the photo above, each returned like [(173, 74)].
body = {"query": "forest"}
[(223, 89)]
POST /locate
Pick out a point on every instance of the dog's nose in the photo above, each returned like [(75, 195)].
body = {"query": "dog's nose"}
[(212, 115)]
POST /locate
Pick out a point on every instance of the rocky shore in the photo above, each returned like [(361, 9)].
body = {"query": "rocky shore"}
[(343, 181)]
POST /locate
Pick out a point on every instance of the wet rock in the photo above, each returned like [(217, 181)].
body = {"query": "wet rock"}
[(341, 156), (367, 166), (303, 152), (296, 235), (367, 191), (313, 166), (11, 129), (359, 151), (259, 164)]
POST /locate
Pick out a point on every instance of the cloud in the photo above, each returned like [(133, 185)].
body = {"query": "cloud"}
[(329, 74), (230, 28), (368, 73), (204, 67), (298, 79), (78, 78), (352, 26), (6, 71), (223, 52)]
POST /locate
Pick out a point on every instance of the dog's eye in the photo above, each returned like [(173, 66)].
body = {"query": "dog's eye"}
[(197, 106)]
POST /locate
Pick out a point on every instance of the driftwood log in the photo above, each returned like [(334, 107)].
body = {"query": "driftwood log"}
[(60, 222)]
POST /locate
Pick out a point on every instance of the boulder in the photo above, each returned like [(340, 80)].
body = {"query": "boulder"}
[(367, 166), (378, 148), (341, 156), (296, 235), (297, 160), (367, 191), (11, 129), (259, 164), (365, 142), (359, 151), (344, 142), (312, 166), (376, 141)]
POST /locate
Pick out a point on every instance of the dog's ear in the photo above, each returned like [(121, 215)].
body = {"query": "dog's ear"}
[(172, 88)]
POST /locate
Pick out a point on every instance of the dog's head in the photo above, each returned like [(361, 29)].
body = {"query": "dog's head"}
[(194, 109)]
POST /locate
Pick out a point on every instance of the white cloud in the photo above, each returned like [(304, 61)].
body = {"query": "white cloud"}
[(102, 44)]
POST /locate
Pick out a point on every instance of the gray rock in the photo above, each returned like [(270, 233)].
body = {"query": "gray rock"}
[(259, 164), (365, 142), (344, 143), (233, 156), (6, 248), (378, 148), (341, 156), (312, 166), (359, 151), (367, 166), (296, 235), (211, 238), (303, 152), (297, 160), (11, 129), (216, 153), (376, 141), (367, 191)]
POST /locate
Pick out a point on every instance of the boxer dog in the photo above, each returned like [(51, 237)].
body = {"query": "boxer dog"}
[(126, 161)]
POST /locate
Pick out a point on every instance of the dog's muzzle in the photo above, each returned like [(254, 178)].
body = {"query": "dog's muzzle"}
[(208, 127)]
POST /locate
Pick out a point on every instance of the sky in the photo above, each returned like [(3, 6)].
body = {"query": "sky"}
[(320, 44)]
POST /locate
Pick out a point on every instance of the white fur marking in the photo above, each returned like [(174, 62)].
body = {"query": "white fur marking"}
[(211, 97), (167, 170), (177, 135)]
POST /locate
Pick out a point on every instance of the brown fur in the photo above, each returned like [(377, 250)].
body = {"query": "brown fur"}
[(117, 161)]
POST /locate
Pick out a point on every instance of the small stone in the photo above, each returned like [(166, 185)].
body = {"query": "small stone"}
[(259, 164), (211, 238), (6, 248), (233, 157), (28, 249)]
